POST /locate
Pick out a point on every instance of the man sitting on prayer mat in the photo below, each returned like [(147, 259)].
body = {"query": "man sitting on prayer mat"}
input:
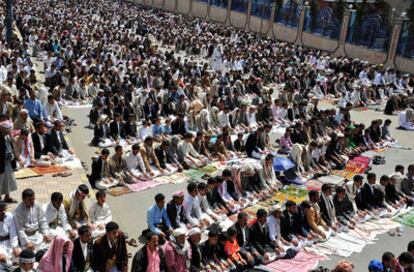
[(100, 214), (31, 223), (158, 220), (9, 242), (110, 252), (56, 217), (76, 208), (56, 143), (101, 176)]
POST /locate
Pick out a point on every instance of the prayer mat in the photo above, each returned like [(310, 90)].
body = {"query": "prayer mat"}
[(342, 173), (380, 150), (209, 169), (178, 178), (331, 179), (361, 109), (406, 219), (313, 184), (162, 179), (303, 262), (26, 173), (52, 169), (142, 185), (193, 174), (118, 191)]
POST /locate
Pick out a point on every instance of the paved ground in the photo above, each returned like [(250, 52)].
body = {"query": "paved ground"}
[(130, 210)]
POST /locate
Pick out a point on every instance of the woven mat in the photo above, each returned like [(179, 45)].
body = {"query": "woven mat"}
[(118, 191), (26, 173), (49, 169), (143, 185)]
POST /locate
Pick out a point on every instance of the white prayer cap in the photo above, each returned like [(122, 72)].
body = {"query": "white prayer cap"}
[(24, 111), (275, 208), (179, 232), (194, 231)]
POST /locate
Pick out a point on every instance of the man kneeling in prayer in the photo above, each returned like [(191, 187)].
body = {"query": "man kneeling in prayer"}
[(135, 168), (151, 162), (192, 208)]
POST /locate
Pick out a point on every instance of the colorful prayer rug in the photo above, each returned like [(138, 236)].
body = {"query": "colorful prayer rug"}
[(49, 169), (119, 190)]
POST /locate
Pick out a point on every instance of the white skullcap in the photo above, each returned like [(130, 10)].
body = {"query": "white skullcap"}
[(194, 231), (179, 232)]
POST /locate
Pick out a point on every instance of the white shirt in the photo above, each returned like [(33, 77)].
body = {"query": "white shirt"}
[(144, 132), (52, 213), (84, 249), (188, 149), (134, 161), (192, 209), (274, 228), (223, 119), (53, 111), (100, 215), (8, 227)]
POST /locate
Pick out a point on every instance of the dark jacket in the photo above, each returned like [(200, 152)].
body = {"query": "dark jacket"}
[(131, 129), (96, 173), (343, 209), (161, 156), (113, 128), (260, 239), (240, 238), (102, 252), (98, 133), (196, 257), (290, 224), (365, 198), (140, 261), (38, 150), (78, 260), (3, 154), (178, 127), (172, 214), (251, 144), (93, 116), (53, 144), (324, 212)]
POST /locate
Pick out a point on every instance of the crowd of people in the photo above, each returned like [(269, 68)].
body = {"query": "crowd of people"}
[(169, 93)]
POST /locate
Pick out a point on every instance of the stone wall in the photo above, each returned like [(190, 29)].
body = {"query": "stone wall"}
[(184, 6), (283, 33), (315, 41), (199, 9), (218, 15), (238, 19), (358, 52), (404, 64)]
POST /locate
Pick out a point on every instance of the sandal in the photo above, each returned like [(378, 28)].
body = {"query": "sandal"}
[(133, 243), (66, 174)]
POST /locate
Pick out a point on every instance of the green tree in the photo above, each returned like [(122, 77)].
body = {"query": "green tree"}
[(314, 11), (338, 10)]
